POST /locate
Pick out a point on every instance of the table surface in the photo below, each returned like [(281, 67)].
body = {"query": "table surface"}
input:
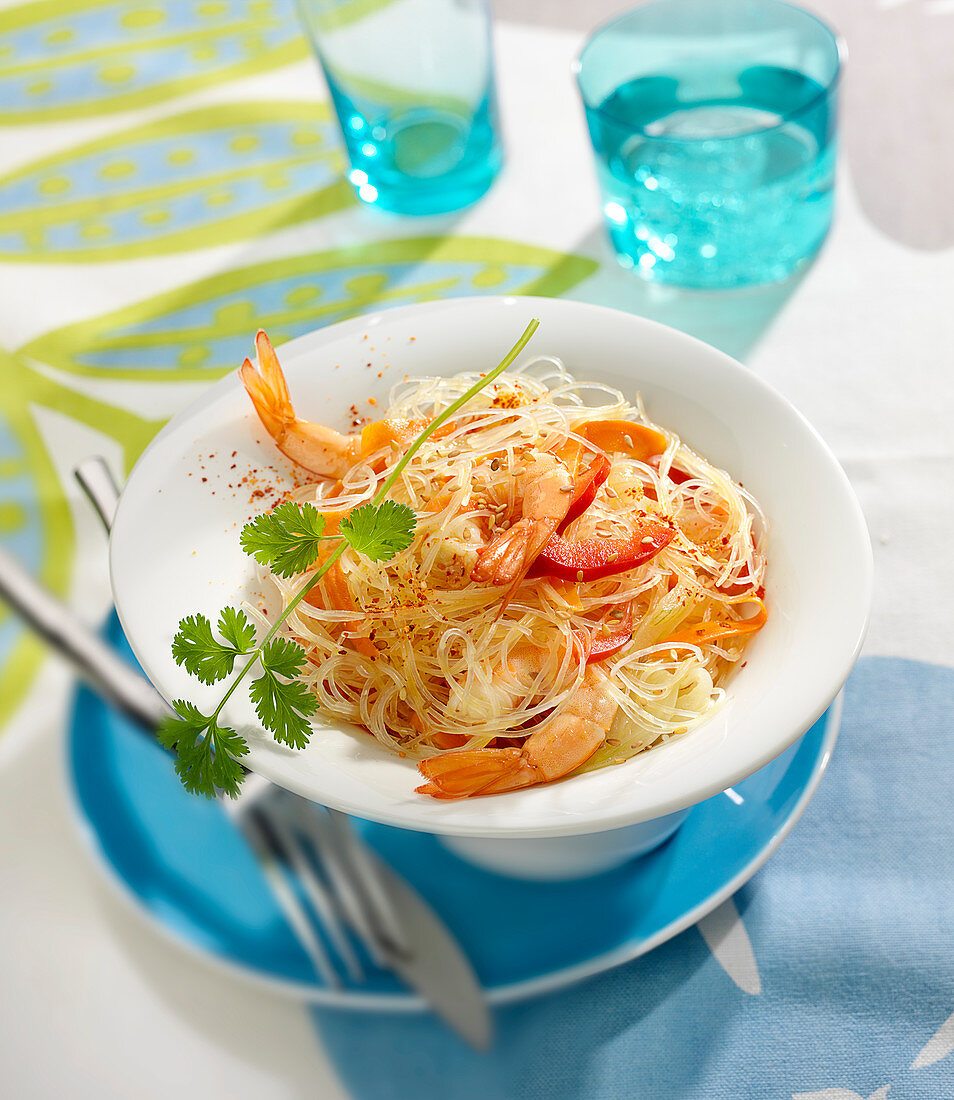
[(94, 1003)]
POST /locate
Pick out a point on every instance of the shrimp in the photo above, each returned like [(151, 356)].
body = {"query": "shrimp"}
[(319, 449), (547, 493), (556, 748)]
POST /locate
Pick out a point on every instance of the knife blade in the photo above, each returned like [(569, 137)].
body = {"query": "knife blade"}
[(435, 965)]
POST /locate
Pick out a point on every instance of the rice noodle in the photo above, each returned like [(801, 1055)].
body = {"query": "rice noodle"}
[(442, 643)]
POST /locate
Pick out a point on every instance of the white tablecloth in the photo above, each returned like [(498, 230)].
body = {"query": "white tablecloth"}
[(94, 1002)]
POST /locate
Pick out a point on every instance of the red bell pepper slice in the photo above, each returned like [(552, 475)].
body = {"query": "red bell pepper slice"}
[(586, 490), (678, 477), (594, 558), (599, 646)]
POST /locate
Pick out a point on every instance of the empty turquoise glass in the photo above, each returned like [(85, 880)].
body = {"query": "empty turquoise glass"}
[(713, 123), (412, 83)]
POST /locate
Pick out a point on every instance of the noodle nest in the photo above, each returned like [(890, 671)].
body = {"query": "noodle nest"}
[(416, 652)]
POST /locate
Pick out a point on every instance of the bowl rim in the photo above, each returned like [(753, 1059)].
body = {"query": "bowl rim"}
[(401, 813)]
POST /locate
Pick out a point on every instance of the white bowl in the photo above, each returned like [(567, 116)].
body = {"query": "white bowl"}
[(175, 550)]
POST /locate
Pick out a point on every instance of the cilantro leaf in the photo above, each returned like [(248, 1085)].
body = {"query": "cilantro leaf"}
[(379, 531), (286, 540), (283, 656), (283, 708), (236, 629), (207, 753), (202, 654)]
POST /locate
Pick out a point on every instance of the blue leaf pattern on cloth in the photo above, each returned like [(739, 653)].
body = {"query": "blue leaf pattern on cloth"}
[(62, 59), (190, 180)]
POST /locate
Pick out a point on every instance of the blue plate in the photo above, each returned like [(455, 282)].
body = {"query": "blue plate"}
[(181, 862)]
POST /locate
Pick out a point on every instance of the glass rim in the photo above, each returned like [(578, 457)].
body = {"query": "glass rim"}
[(825, 90)]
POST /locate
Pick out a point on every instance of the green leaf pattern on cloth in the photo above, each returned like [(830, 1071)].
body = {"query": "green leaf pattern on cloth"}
[(166, 185), (34, 525), (205, 329), (190, 180), (35, 521)]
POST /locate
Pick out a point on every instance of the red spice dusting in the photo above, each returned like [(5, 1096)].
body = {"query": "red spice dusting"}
[(205, 478)]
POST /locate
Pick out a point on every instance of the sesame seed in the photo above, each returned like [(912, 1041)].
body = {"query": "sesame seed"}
[(579, 574), (647, 538)]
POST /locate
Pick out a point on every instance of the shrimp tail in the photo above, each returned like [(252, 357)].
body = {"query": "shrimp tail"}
[(272, 371), (476, 771), (273, 416), (319, 449), (268, 389)]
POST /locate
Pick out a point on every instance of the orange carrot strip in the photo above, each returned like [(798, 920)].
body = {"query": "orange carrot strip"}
[(333, 595), (713, 629), (447, 740), (438, 502), (379, 433), (624, 437), (365, 647)]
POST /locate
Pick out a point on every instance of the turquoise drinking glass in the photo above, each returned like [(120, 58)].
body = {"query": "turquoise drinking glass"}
[(713, 123), (412, 83)]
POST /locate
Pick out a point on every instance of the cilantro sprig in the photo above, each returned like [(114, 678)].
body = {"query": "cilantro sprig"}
[(289, 541)]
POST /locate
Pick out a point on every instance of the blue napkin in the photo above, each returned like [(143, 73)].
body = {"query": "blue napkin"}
[(852, 929)]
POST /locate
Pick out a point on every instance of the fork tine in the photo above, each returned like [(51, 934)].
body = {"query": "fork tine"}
[(318, 895), (259, 833), (368, 879), (317, 827)]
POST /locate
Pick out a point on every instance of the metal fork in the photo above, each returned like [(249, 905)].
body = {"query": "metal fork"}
[(273, 821), (288, 835), (394, 924)]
